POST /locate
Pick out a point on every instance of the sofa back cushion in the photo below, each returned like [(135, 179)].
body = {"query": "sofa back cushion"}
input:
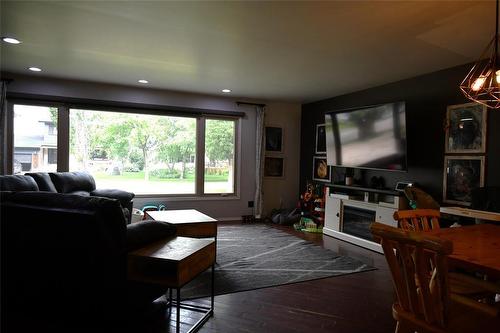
[(67, 182), (43, 181), (17, 183)]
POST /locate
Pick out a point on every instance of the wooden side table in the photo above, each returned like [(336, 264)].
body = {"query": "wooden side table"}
[(173, 263), (188, 222)]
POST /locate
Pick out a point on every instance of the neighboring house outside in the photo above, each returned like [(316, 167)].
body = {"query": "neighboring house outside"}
[(36, 150)]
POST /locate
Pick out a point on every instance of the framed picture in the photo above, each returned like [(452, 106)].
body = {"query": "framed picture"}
[(466, 128), (320, 139), (461, 175), (321, 170), (274, 139), (274, 167)]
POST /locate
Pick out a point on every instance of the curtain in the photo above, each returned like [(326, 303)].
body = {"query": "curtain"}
[(3, 128), (259, 158)]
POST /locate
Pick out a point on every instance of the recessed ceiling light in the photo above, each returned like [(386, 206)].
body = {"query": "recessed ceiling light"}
[(226, 91), (143, 81), (35, 69), (11, 40)]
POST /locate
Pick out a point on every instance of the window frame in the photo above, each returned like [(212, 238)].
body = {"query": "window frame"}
[(63, 141), (61, 160)]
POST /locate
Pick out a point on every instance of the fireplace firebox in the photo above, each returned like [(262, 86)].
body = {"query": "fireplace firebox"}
[(356, 222)]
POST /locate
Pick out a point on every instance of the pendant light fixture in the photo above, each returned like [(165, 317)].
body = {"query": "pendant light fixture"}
[(482, 84)]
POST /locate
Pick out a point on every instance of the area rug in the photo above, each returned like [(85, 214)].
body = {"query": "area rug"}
[(258, 256)]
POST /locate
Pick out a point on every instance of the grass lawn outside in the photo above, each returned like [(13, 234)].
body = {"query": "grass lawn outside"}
[(126, 176), (134, 182)]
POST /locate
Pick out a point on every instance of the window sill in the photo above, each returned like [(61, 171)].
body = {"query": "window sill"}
[(173, 197)]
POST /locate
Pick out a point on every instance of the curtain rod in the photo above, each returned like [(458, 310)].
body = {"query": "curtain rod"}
[(254, 104)]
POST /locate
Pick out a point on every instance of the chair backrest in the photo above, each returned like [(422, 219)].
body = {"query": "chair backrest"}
[(418, 219), (422, 290), (419, 198)]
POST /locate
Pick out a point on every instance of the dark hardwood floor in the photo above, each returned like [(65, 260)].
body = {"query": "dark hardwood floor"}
[(358, 302)]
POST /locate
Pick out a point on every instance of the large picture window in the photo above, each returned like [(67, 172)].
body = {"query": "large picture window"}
[(147, 154)]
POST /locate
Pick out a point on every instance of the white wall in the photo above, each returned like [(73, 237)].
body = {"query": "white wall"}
[(284, 192), (285, 114)]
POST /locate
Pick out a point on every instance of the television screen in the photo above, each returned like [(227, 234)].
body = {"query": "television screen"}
[(372, 137)]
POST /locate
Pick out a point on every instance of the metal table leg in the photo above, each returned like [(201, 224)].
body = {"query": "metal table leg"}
[(178, 314)]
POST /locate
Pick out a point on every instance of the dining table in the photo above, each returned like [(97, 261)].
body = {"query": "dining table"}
[(472, 213), (475, 247)]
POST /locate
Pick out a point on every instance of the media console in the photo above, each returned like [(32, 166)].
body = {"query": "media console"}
[(349, 211)]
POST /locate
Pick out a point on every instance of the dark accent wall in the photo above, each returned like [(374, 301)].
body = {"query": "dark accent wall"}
[(426, 98)]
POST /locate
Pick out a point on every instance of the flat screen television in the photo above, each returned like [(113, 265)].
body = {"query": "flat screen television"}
[(372, 137)]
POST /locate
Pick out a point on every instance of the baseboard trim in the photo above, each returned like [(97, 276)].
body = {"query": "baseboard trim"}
[(237, 218), (228, 219)]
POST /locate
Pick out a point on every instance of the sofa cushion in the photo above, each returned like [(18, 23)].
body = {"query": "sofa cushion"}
[(17, 183), (145, 232), (66, 255), (107, 211), (43, 181), (123, 196), (84, 193), (66, 182), (126, 213)]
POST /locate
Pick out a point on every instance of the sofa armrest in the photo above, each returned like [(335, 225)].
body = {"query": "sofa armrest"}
[(142, 233), (124, 197)]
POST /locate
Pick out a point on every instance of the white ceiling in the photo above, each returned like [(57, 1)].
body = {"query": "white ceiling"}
[(292, 51)]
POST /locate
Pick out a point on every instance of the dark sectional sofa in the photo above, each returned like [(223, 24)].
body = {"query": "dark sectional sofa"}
[(79, 183), (64, 255)]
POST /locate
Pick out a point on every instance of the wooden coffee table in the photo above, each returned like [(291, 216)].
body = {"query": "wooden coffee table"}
[(189, 222), (172, 263)]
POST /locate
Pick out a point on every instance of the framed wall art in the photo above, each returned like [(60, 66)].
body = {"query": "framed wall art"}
[(274, 139), (461, 175), (274, 167), (320, 139), (321, 170), (466, 128)]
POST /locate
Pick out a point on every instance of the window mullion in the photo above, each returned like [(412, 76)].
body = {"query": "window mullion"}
[(200, 156), (62, 138), (9, 154)]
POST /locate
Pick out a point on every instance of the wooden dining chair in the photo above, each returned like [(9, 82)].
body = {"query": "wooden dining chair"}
[(423, 293), (477, 292), (418, 219)]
